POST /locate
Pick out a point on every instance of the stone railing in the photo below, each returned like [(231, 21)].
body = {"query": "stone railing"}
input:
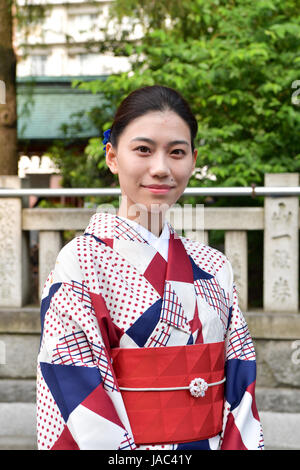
[(278, 219), (275, 328)]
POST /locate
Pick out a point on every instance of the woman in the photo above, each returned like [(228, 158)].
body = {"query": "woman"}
[(143, 344)]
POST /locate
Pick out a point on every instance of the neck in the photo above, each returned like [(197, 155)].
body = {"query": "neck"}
[(151, 220)]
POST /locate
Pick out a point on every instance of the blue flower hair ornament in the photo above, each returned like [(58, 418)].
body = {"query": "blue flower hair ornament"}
[(106, 135)]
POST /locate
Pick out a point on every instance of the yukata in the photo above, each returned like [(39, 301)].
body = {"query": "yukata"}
[(118, 286)]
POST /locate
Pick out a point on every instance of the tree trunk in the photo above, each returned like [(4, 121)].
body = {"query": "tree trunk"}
[(8, 112)]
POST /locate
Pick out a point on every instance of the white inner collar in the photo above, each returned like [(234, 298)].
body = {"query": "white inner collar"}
[(161, 243)]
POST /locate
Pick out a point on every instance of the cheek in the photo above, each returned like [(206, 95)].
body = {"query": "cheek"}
[(129, 164), (183, 172), (129, 174)]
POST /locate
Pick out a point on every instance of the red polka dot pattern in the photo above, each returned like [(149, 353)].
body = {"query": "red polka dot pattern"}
[(209, 259), (126, 292), (50, 423), (73, 336)]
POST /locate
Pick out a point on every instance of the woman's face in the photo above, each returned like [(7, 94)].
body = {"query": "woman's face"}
[(153, 160)]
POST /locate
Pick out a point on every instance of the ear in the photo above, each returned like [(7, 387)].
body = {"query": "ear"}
[(111, 158), (195, 153)]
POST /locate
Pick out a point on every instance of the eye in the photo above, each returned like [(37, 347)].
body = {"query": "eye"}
[(178, 152), (142, 149)]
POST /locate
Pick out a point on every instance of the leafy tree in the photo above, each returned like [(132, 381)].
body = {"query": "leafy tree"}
[(12, 15), (236, 63), (8, 113)]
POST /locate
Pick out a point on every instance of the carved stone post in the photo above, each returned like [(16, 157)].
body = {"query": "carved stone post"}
[(14, 278), (281, 250), (236, 250), (50, 243)]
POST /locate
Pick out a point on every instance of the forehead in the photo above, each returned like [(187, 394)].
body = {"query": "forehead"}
[(158, 124)]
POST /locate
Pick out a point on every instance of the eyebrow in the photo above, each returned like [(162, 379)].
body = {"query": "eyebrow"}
[(150, 141)]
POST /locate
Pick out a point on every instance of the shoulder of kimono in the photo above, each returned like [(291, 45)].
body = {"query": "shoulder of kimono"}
[(67, 263), (207, 257), (194, 247)]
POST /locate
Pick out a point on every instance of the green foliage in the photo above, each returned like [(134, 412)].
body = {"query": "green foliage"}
[(235, 62), (81, 167)]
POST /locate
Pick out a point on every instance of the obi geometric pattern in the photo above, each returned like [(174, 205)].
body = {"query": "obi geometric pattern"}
[(170, 415), (111, 288)]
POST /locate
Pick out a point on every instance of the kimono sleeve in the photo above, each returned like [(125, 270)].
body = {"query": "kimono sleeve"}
[(242, 429), (79, 405)]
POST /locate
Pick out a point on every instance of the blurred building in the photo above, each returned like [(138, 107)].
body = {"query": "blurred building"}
[(63, 44), (66, 37)]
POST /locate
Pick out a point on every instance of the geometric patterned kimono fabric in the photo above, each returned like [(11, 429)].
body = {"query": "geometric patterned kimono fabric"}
[(112, 288)]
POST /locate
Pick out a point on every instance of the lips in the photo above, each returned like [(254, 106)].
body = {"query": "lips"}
[(158, 186)]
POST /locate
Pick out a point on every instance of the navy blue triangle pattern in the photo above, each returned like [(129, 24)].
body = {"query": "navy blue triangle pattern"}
[(195, 445), (142, 328), (198, 272), (45, 304), (70, 385)]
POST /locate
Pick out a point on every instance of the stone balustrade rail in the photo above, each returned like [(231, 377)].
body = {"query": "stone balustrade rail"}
[(278, 219), (275, 327)]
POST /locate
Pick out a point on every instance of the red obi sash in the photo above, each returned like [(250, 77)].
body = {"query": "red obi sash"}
[(191, 410)]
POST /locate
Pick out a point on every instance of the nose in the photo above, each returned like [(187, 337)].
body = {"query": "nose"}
[(159, 165)]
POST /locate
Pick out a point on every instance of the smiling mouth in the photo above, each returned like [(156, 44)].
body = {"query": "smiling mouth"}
[(158, 188)]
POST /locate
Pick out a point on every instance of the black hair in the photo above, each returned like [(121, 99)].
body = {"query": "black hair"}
[(152, 98)]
